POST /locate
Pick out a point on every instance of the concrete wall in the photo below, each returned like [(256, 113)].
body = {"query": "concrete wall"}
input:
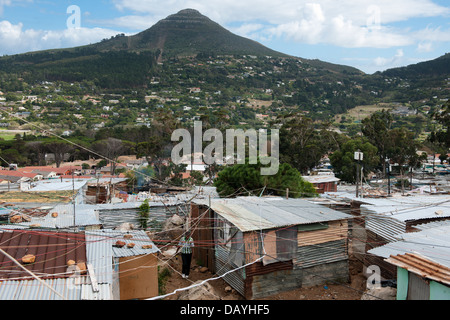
[(326, 273)]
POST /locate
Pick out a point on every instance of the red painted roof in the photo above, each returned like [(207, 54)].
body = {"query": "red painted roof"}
[(11, 173), (60, 170), (52, 251)]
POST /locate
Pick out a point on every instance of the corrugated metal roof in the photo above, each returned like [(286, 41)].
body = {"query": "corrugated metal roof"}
[(34, 290), (422, 266), (85, 215), (253, 213), (58, 185), (386, 227), (432, 224), (432, 243), (104, 292), (409, 212), (101, 250), (321, 178), (402, 208), (99, 254), (52, 250)]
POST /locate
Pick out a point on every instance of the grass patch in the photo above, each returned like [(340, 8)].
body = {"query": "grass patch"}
[(7, 136), (359, 113), (38, 197)]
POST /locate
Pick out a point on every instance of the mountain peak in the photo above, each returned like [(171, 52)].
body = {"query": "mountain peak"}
[(186, 16), (189, 11), (188, 33)]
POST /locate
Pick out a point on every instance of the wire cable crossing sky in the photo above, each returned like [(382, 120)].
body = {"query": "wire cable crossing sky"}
[(369, 35)]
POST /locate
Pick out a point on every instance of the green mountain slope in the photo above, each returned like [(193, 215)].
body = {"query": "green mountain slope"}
[(195, 51), (436, 67), (187, 33)]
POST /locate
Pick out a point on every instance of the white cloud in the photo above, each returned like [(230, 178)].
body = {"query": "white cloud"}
[(247, 29), (425, 47), (314, 28), (347, 23), (433, 34), (280, 11), (385, 63), (133, 22), (18, 39)]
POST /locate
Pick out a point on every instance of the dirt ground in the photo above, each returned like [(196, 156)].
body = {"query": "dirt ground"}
[(349, 291)]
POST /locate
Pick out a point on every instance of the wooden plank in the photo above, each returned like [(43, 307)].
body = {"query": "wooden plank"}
[(337, 230), (93, 278), (252, 247)]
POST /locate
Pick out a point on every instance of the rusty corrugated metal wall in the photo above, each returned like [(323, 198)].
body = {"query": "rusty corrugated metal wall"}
[(293, 254), (202, 224)]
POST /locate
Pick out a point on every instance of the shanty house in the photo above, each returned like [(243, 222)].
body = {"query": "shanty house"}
[(421, 260), (263, 246), (384, 219), (134, 262), (323, 183), (61, 216), (76, 266)]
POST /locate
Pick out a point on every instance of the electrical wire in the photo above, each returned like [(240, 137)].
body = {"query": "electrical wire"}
[(236, 193), (32, 274)]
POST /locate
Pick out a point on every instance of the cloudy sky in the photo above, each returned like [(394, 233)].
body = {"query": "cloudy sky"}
[(369, 35)]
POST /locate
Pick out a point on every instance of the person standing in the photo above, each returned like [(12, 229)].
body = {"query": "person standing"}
[(185, 245)]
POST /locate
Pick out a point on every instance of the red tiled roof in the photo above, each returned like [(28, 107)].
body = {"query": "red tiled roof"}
[(59, 170), (52, 251), (11, 173)]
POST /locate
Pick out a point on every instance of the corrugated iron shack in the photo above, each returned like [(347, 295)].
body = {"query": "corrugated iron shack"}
[(323, 183), (77, 266), (263, 246), (421, 260), (386, 218)]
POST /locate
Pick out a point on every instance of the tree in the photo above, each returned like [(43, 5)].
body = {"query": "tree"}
[(144, 213), (345, 165), (153, 152), (301, 144), (13, 156), (442, 135), (246, 179), (376, 128), (403, 150), (196, 178), (37, 150), (111, 149), (59, 149), (173, 173)]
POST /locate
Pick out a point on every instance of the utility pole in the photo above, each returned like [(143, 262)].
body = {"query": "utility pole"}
[(389, 175), (73, 190), (359, 156)]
